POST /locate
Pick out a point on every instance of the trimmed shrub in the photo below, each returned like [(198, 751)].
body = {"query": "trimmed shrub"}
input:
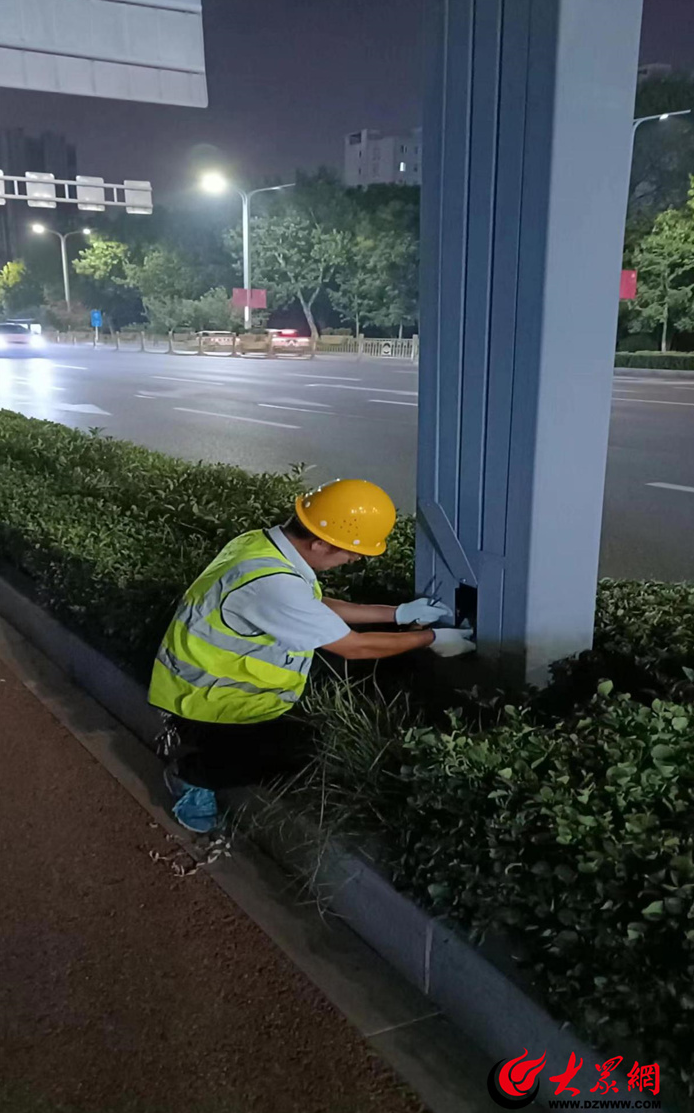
[(575, 837), (656, 361)]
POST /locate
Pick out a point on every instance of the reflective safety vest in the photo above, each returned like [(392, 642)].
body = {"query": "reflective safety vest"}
[(208, 671)]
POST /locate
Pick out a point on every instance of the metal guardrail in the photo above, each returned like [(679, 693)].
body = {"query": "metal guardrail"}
[(257, 344)]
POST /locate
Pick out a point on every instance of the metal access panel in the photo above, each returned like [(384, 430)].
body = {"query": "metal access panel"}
[(141, 50), (526, 171)]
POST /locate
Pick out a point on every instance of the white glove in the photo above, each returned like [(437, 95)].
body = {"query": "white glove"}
[(449, 642), (425, 612)]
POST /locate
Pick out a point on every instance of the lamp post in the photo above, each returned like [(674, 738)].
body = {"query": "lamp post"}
[(215, 183), (659, 116), (40, 229)]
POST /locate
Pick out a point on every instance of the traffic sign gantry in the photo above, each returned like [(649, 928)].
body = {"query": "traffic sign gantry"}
[(527, 159)]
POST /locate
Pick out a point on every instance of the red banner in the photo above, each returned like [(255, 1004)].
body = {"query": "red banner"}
[(627, 286), (258, 299)]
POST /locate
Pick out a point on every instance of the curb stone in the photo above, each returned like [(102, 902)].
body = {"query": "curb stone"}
[(480, 999)]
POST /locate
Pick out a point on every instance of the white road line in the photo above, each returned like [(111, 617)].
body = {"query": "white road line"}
[(233, 417), (70, 366), (332, 378), (657, 382), (294, 409), (212, 382), (368, 389), (391, 402), (672, 487), (80, 408), (653, 401)]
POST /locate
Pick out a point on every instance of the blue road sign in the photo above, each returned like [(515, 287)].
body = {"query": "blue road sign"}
[(96, 318)]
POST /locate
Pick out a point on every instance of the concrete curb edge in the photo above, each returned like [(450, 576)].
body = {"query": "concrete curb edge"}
[(482, 1001)]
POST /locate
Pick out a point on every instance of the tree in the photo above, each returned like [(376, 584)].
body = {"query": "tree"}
[(665, 264), (295, 257), (376, 284), (164, 273), (19, 290), (357, 292), (104, 266), (663, 152)]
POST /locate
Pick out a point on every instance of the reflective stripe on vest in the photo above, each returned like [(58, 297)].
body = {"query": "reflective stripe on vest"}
[(207, 671)]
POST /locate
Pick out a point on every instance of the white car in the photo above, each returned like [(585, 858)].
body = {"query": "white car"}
[(15, 336)]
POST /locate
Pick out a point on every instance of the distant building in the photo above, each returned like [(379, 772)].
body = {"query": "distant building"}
[(374, 159), (653, 71), (49, 153)]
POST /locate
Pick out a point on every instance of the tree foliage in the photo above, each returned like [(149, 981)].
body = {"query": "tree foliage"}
[(19, 289), (663, 151), (295, 257), (665, 264)]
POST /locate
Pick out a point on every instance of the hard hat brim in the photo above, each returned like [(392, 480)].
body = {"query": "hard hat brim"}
[(325, 535)]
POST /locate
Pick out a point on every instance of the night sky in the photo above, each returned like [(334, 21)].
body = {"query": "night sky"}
[(287, 79)]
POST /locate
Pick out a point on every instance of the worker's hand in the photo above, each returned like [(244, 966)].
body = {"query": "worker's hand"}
[(449, 642), (425, 612)]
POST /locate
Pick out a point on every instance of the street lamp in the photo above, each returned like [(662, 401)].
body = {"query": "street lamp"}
[(659, 116), (40, 229), (215, 183)]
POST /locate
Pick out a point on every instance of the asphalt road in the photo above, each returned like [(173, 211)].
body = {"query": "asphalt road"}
[(339, 416)]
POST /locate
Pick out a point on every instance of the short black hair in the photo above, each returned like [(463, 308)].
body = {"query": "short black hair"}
[(296, 528)]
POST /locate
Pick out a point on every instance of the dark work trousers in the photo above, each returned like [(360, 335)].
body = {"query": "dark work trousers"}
[(222, 755)]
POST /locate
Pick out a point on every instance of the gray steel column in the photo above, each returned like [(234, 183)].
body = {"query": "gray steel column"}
[(526, 174)]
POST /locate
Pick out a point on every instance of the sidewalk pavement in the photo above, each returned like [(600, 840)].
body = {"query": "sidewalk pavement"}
[(124, 987)]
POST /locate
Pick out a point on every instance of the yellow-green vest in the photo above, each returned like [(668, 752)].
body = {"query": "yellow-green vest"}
[(205, 670)]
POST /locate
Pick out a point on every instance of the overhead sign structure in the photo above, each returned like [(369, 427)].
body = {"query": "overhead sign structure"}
[(45, 191), (254, 299), (141, 50), (628, 287)]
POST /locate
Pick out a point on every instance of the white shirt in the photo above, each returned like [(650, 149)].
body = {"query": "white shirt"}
[(284, 606)]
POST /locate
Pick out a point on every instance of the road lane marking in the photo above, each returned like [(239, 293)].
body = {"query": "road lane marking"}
[(331, 378), (653, 401), (368, 389), (672, 487), (294, 409), (80, 408), (213, 382), (392, 402), (70, 366), (234, 417), (656, 382)]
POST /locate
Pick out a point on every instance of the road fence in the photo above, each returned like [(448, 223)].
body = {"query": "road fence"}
[(183, 342)]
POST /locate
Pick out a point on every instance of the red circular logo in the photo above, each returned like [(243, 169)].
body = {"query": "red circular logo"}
[(512, 1083)]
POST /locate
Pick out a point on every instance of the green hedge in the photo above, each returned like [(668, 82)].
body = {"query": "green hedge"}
[(576, 836), (111, 534), (656, 361), (575, 831)]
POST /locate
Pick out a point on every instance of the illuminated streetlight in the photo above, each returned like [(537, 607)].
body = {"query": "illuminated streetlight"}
[(645, 119), (39, 230), (214, 182)]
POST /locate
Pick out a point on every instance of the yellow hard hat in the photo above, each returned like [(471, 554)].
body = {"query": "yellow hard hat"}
[(350, 513)]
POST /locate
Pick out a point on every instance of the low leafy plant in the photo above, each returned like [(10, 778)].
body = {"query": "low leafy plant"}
[(577, 837)]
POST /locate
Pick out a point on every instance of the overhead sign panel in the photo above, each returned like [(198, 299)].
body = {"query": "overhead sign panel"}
[(40, 190), (91, 196), (142, 50), (138, 196)]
